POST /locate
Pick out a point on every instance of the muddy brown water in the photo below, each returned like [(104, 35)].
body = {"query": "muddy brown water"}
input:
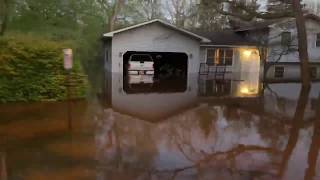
[(203, 129)]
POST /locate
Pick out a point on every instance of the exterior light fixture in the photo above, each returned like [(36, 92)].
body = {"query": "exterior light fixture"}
[(190, 55), (247, 53), (248, 91), (244, 90), (120, 54)]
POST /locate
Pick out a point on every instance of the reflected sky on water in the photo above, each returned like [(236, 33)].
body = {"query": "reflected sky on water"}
[(176, 128)]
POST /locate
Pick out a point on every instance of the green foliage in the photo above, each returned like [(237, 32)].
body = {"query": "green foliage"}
[(31, 69)]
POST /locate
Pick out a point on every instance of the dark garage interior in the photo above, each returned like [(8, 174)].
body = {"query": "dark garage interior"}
[(170, 73)]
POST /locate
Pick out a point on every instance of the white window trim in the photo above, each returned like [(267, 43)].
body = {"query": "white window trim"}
[(233, 55)]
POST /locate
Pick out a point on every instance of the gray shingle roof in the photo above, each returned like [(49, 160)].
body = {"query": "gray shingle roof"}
[(229, 37)]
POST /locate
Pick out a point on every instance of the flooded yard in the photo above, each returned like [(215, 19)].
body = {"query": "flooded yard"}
[(187, 128)]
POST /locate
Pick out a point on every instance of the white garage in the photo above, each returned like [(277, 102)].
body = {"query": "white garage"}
[(155, 36)]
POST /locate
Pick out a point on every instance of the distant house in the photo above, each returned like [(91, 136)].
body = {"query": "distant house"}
[(268, 49), (281, 44)]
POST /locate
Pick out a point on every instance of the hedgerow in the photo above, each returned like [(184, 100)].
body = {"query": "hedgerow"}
[(31, 69)]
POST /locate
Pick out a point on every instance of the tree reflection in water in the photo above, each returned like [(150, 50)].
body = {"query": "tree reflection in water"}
[(315, 146), (297, 124), (216, 139), (206, 142)]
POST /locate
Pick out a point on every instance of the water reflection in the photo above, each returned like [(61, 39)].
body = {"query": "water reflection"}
[(160, 98), (202, 128), (153, 101)]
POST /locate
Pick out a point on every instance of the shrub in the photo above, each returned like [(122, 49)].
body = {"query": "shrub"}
[(31, 69)]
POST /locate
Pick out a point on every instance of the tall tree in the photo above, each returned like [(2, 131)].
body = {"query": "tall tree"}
[(111, 10), (209, 19), (116, 8), (179, 11), (151, 8), (137, 11), (4, 16), (302, 42), (248, 11)]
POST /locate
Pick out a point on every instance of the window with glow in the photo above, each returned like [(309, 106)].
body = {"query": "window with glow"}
[(220, 56)]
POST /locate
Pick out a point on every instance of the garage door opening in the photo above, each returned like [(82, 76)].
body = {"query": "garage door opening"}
[(155, 72)]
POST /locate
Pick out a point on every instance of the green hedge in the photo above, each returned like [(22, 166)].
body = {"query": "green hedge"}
[(31, 69)]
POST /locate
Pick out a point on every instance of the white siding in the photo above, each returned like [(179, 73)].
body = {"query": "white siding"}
[(152, 105), (154, 38), (275, 40)]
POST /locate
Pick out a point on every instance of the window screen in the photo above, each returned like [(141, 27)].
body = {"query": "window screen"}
[(220, 56), (285, 38), (210, 56), (318, 40), (313, 72), (279, 72)]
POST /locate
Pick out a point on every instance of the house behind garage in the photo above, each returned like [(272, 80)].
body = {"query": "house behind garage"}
[(223, 53), (256, 49)]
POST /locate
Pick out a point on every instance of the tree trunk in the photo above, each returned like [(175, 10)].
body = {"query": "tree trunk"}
[(302, 42), (314, 150), (4, 16), (297, 123), (113, 18)]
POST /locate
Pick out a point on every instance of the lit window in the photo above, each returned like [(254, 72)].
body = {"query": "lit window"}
[(220, 56), (285, 38), (278, 71), (313, 72), (318, 40)]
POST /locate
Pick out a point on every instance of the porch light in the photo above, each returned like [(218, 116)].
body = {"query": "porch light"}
[(247, 53), (248, 91), (244, 90)]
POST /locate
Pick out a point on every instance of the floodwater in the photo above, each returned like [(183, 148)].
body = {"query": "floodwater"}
[(190, 128)]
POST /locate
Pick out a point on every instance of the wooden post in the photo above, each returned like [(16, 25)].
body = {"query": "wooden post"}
[(69, 101), (68, 63), (3, 167)]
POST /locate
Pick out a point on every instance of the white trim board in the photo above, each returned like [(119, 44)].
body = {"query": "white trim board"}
[(112, 33)]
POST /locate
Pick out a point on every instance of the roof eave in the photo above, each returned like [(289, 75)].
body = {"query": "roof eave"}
[(201, 38)]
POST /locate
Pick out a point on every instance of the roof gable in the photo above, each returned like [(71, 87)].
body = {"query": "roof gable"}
[(168, 25)]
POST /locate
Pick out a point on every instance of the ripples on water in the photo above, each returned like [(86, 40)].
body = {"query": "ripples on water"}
[(192, 128)]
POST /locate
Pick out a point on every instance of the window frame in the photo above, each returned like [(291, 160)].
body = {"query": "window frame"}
[(317, 43), (313, 72), (288, 41), (212, 62), (275, 72), (215, 57)]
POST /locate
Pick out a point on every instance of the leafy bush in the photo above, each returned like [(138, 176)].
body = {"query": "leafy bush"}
[(31, 69)]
